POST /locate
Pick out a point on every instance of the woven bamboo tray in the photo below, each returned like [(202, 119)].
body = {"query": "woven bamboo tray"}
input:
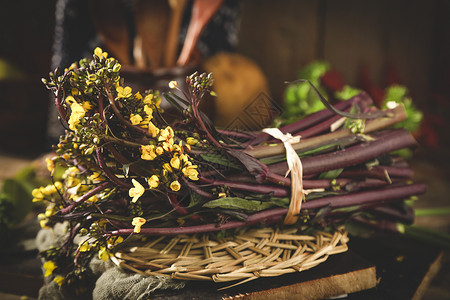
[(254, 253)]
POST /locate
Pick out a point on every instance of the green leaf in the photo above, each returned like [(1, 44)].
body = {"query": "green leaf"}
[(219, 159), (173, 102), (238, 203)]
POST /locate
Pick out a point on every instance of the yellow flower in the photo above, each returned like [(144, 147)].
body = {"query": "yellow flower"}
[(148, 110), (135, 119), (136, 191), (167, 167), (43, 221), (58, 185), (175, 162), (166, 135), (96, 177), (191, 141), (49, 267), (59, 280), (152, 129), (37, 195), (75, 92), (50, 164), (99, 52), (148, 99), (159, 150), (137, 223), (148, 152), (77, 112), (138, 96), (92, 199), (173, 84), (86, 105), (114, 240), (185, 158), (153, 182), (168, 146), (191, 172), (123, 92), (84, 246), (103, 254), (175, 186), (49, 190), (222, 195)]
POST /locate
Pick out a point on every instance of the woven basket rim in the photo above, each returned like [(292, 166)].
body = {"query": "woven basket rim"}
[(253, 253)]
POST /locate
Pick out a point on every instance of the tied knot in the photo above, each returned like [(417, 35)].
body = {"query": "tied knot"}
[(296, 170)]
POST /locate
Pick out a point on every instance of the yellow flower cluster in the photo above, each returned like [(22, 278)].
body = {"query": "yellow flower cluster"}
[(170, 158)]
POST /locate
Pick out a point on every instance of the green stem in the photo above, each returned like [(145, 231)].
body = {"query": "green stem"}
[(440, 211)]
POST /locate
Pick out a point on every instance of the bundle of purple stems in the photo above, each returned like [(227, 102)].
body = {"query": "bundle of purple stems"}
[(367, 181)]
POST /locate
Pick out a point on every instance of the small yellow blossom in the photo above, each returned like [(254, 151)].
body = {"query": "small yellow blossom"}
[(148, 152), (99, 52), (153, 182), (37, 195), (49, 267), (123, 92), (58, 185), (152, 129), (191, 141), (138, 96), (191, 172), (166, 166), (103, 254), (148, 99), (175, 162), (222, 195), (137, 223), (136, 191), (77, 112), (75, 92), (49, 190), (59, 280), (175, 186), (84, 246), (166, 135), (159, 150), (135, 119), (65, 156), (148, 110), (167, 146), (173, 84), (43, 221), (50, 164), (86, 105), (96, 177), (185, 158), (92, 199), (113, 241)]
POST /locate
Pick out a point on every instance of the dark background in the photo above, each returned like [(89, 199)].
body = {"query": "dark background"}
[(376, 39)]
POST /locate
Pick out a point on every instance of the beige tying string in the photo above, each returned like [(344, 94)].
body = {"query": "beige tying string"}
[(296, 170)]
